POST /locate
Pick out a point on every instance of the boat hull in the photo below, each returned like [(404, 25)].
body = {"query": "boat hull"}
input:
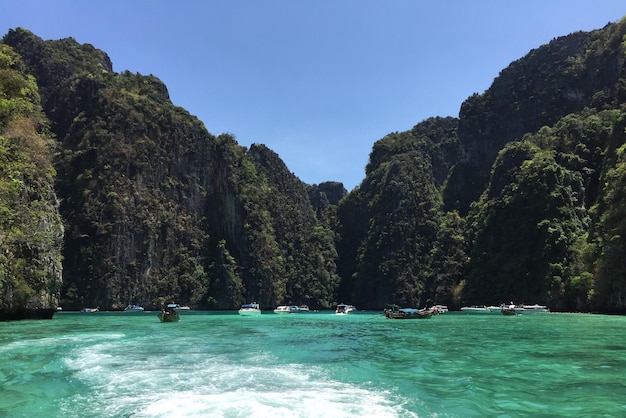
[(286, 309), (480, 310), (535, 309), (343, 309), (249, 312), (408, 313), (524, 309), (250, 309), (168, 317)]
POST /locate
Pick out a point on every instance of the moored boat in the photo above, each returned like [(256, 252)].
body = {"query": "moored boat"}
[(286, 309), (183, 309), (343, 309), (250, 309), (441, 309), (480, 309), (508, 311), (395, 312), (535, 309), (90, 310), (133, 308), (169, 313)]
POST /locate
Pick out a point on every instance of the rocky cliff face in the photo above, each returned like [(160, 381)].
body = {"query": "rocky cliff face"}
[(570, 73), (521, 176), (31, 231), (158, 209)]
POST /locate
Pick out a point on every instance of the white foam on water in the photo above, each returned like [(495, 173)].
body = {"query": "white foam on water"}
[(31, 343), (215, 385), (323, 400)]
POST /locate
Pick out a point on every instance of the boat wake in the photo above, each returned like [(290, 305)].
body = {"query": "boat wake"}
[(134, 383)]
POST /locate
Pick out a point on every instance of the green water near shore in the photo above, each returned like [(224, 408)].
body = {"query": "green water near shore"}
[(214, 364)]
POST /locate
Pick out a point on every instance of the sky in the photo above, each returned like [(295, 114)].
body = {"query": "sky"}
[(316, 81)]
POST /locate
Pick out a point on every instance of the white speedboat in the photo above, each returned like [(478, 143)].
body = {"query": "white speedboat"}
[(291, 309), (478, 309), (513, 309), (286, 309), (343, 309), (133, 308), (440, 308), (250, 309), (534, 309)]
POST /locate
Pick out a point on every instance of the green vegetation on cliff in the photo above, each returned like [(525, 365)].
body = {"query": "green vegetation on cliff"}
[(30, 226), (520, 198), (158, 209), (397, 245), (532, 166)]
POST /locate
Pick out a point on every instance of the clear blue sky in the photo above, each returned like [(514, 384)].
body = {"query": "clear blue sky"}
[(317, 81)]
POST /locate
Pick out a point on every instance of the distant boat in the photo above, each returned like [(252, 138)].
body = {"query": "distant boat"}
[(133, 308), (343, 309), (535, 309), (183, 308), (441, 309), (250, 309), (169, 313), (480, 309), (395, 312), (286, 309), (90, 310), (508, 311), (512, 309)]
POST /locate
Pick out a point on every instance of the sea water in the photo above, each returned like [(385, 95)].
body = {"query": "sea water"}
[(212, 364)]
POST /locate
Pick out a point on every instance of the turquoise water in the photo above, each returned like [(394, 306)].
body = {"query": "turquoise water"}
[(313, 365)]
